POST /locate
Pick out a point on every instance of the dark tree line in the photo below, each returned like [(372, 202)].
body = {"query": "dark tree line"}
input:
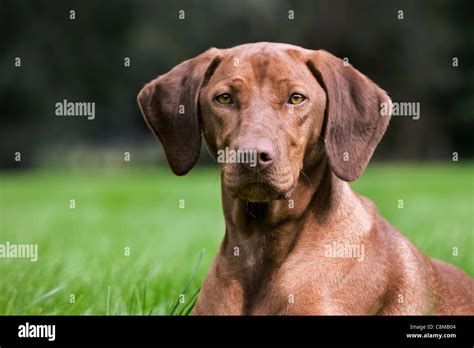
[(83, 59)]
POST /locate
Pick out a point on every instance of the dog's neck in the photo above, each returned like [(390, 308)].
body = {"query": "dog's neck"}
[(269, 231), (260, 238)]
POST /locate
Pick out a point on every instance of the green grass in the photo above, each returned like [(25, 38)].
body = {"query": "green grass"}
[(82, 250)]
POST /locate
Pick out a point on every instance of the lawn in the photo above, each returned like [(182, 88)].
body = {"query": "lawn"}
[(130, 247)]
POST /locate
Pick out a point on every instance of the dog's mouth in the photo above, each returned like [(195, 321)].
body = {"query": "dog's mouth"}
[(259, 190), (256, 193)]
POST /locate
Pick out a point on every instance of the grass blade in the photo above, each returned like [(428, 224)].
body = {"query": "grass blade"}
[(107, 304), (172, 310), (45, 296)]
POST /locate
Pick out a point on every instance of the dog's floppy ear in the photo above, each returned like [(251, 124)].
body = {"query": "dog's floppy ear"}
[(354, 121), (169, 105)]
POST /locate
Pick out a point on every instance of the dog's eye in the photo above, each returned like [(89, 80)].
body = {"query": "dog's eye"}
[(224, 98), (296, 98)]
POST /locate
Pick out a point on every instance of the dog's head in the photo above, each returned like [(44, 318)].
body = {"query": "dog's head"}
[(267, 111)]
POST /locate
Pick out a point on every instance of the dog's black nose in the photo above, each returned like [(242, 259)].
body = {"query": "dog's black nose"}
[(258, 153)]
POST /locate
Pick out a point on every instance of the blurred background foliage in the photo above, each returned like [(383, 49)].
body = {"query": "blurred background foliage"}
[(83, 60)]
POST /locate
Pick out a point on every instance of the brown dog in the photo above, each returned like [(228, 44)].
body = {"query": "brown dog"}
[(298, 240)]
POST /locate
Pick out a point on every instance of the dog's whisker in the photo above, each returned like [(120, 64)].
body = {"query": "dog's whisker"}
[(247, 210), (307, 178)]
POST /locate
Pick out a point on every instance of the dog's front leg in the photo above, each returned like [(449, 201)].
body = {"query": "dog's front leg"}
[(220, 294)]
